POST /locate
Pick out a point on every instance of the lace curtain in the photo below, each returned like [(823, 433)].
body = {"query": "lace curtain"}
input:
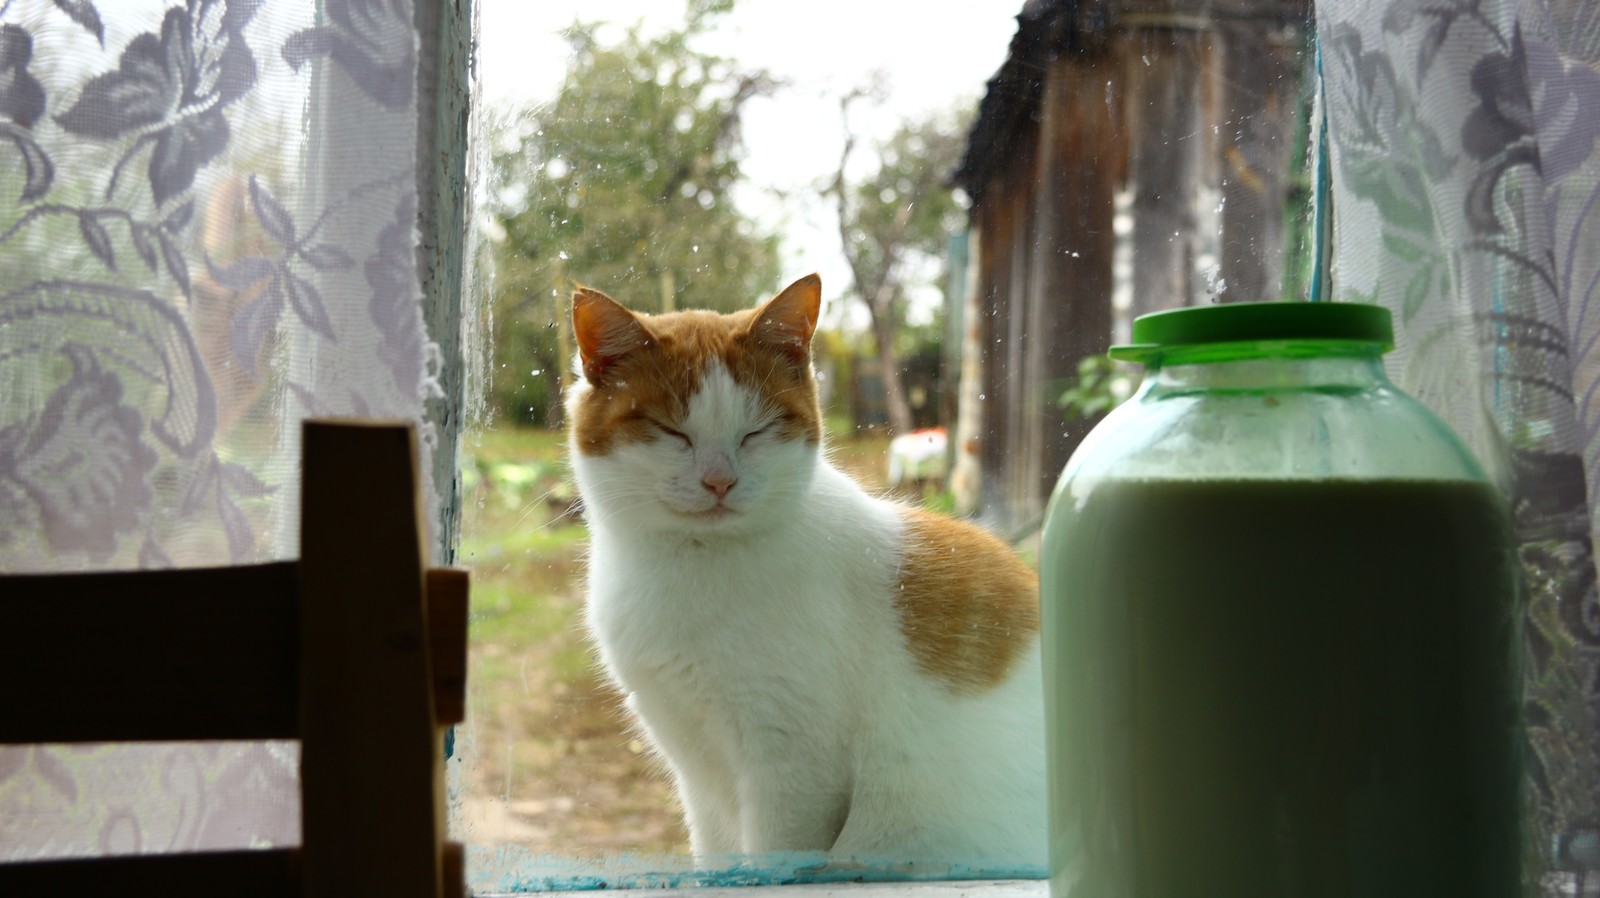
[(208, 231), (1465, 174)]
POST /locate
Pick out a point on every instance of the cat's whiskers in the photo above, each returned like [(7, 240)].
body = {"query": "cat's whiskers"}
[(611, 499), (535, 503)]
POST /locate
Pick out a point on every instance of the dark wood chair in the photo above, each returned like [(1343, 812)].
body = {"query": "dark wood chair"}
[(357, 650)]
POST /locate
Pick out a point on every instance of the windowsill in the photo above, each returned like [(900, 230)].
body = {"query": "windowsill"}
[(993, 888)]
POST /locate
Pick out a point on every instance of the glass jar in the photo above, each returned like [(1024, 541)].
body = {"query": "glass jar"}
[(1280, 623)]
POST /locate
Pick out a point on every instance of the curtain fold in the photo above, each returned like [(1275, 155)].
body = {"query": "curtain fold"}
[(1465, 178), (208, 231)]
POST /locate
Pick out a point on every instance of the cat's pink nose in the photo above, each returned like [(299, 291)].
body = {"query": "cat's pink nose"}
[(719, 484)]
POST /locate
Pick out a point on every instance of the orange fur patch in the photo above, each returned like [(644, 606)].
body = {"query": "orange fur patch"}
[(968, 606), (654, 381)]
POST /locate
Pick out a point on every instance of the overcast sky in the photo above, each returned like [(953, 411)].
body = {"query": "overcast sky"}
[(933, 54)]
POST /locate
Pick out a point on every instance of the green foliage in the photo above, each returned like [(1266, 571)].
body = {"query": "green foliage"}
[(514, 484), (922, 338), (895, 225), (623, 182), (512, 468), (1098, 389), (907, 206), (939, 500)]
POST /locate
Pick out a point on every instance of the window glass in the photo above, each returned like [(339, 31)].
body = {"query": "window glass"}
[(989, 193)]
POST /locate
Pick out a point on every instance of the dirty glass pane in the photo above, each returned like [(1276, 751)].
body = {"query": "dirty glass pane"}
[(989, 193)]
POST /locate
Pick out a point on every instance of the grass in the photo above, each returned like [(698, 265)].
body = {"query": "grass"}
[(548, 761)]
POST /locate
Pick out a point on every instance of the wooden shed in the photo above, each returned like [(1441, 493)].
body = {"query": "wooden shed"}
[(1180, 124)]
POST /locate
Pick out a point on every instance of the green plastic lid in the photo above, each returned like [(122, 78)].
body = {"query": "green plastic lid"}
[(1246, 329)]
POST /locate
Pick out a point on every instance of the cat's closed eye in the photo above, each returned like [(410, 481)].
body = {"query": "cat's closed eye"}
[(753, 434), (675, 434)]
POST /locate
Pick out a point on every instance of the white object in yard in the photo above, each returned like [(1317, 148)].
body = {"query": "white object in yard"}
[(918, 456)]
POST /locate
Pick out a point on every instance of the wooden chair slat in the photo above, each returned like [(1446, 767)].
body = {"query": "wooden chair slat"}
[(356, 649), (447, 633), (236, 874), (150, 655)]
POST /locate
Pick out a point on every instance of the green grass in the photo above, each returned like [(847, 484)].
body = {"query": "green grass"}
[(550, 764), (516, 444), (525, 548), (552, 539), (507, 619)]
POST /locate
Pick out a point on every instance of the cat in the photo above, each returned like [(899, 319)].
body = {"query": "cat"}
[(820, 669)]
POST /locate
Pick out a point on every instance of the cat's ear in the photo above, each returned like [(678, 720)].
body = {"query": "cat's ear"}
[(606, 332), (788, 320)]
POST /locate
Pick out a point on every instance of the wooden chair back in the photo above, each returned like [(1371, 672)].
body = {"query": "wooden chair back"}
[(358, 650)]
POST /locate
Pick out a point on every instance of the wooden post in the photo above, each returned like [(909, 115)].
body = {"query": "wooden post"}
[(1000, 225), (370, 761), (1167, 140), (1082, 159)]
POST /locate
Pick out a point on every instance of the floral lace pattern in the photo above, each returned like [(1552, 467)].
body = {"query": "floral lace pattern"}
[(1466, 173), (207, 229)]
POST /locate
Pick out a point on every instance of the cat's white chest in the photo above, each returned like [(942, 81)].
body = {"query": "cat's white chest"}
[(745, 669), (729, 626)]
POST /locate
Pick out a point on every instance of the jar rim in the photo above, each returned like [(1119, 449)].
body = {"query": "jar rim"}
[(1252, 329)]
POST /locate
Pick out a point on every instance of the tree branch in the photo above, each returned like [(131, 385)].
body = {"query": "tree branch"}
[(752, 85)]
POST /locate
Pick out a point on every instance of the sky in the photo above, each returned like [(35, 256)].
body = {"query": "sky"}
[(931, 55)]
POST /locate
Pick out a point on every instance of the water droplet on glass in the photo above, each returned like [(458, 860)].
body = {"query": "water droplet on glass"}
[(536, 372), (563, 255)]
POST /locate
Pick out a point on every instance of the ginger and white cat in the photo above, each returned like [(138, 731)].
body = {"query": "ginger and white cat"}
[(821, 670)]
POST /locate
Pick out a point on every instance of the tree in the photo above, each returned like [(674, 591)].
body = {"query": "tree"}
[(623, 183), (897, 216)]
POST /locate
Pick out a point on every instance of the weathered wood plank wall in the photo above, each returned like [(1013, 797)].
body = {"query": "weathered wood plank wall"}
[(1181, 103)]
